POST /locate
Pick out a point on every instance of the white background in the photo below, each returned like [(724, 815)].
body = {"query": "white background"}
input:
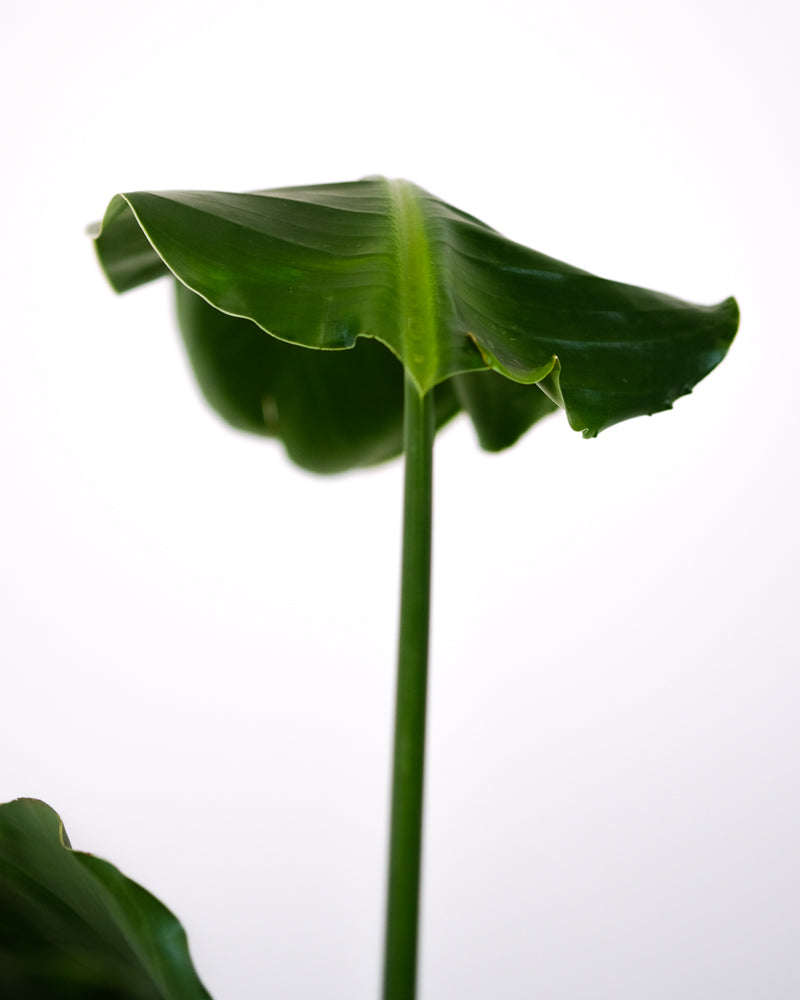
[(197, 639)]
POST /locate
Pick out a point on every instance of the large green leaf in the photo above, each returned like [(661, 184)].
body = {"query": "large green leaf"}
[(323, 266), (72, 927)]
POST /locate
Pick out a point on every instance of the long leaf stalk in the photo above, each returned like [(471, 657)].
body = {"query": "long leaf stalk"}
[(405, 844)]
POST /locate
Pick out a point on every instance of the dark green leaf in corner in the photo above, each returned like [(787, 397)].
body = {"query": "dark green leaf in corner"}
[(72, 927), (487, 324)]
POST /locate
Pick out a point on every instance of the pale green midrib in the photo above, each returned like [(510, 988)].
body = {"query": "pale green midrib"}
[(416, 280)]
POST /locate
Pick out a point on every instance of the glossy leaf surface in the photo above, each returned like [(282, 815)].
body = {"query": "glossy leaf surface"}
[(72, 927), (325, 266)]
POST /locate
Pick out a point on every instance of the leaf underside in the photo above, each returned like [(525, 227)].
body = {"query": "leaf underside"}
[(73, 927), (497, 329)]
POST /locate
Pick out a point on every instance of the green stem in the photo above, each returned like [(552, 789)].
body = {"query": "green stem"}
[(405, 845)]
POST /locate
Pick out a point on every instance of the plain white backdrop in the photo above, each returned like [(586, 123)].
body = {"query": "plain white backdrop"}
[(197, 639)]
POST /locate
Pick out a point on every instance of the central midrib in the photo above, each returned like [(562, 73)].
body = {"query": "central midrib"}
[(417, 299)]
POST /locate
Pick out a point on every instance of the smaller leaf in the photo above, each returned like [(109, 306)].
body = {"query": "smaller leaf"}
[(73, 926)]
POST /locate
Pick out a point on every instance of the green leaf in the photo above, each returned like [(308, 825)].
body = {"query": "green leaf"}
[(334, 265), (72, 926)]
